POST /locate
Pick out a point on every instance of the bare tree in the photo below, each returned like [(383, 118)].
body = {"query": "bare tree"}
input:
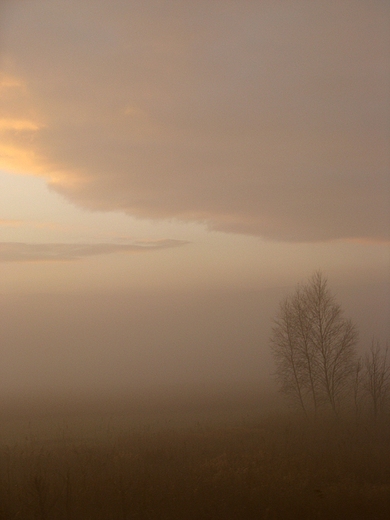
[(291, 370), (377, 377), (314, 347), (358, 388)]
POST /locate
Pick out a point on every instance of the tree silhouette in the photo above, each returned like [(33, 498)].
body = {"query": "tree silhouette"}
[(313, 347), (377, 378)]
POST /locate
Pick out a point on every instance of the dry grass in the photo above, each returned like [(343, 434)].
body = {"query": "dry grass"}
[(277, 469)]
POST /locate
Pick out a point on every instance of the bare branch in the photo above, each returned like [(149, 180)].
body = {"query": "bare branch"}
[(314, 347)]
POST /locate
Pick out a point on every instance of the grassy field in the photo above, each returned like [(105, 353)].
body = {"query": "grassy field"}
[(271, 467)]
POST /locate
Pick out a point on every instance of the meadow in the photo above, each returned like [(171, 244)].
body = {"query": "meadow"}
[(193, 464)]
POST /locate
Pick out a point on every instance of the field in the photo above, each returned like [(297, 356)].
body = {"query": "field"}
[(192, 464)]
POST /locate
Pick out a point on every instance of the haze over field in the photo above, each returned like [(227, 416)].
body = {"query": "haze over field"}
[(170, 170)]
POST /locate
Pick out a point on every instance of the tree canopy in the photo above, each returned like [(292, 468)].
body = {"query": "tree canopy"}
[(314, 347)]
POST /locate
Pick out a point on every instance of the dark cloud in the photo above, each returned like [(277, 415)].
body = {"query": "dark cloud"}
[(267, 118), (23, 252)]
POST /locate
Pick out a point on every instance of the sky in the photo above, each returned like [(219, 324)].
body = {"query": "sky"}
[(170, 170)]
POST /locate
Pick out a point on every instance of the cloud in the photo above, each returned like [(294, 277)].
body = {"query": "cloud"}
[(25, 252), (265, 118), (17, 124), (11, 223), (14, 223)]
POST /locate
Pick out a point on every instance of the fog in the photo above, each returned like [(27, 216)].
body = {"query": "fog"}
[(146, 342), (151, 152), (169, 172)]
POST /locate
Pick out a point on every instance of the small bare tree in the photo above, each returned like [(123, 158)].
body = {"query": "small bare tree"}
[(313, 347), (377, 378), (358, 388)]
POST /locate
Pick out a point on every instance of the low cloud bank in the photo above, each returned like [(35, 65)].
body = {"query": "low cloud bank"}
[(264, 118), (24, 252)]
